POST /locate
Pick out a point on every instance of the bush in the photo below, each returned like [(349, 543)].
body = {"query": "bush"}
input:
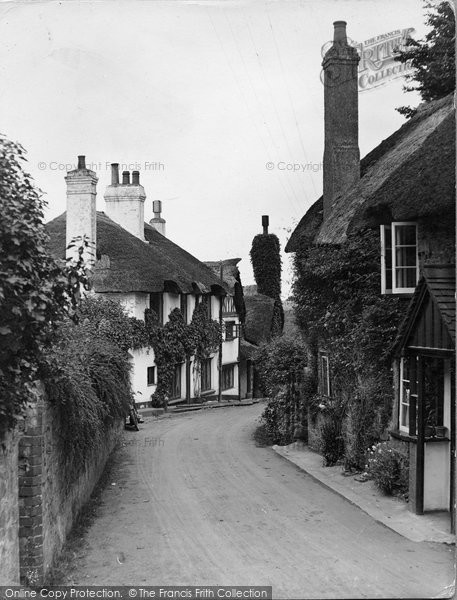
[(331, 442), (389, 469)]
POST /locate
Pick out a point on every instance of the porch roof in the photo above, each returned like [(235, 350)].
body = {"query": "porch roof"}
[(433, 300)]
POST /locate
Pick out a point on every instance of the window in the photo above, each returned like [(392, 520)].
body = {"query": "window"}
[(205, 375), (151, 375), (176, 383), (156, 304), (324, 375), (399, 259), (183, 307), (408, 393), (228, 305), (228, 377), (230, 330)]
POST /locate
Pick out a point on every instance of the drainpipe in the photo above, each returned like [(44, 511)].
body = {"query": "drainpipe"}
[(219, 365)]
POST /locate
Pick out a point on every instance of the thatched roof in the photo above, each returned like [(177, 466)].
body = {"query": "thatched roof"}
[(230, 272), (127, 264), (439, 282), (259, 318), (410, 175)]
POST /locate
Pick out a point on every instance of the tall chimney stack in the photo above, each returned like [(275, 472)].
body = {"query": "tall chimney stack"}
[(124, 203), (81, 220), (265, 223), (341, 152), (114, 173), (157, 222)]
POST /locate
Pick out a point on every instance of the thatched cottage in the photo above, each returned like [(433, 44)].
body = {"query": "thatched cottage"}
[(136, 263), (404, 188)]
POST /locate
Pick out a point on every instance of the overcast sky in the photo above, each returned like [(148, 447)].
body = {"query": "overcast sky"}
[(212, 91)]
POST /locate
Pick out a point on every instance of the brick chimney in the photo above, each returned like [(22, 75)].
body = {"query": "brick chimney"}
[(157, 222), (81, 210), (341, 151), (124, 202)]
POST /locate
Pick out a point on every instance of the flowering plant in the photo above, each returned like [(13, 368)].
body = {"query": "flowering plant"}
[(389, 468)]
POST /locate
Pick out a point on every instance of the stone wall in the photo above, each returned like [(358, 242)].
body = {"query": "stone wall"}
[(39, 501), (9, 510)]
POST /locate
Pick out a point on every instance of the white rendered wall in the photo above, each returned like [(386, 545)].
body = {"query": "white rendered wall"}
[(170, 302), (135, 303), (141, 360)]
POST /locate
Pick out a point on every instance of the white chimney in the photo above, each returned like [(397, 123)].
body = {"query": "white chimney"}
[(157, 222), (81, 211), (124, 202)]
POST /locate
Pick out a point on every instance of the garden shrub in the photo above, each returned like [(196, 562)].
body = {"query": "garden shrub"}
[(389, 469)]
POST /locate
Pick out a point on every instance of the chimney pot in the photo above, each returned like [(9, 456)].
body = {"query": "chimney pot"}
[(114, 173), (125, 177), (136, 177), (265, 223), (339, 34), (157, 207), (81, 162)]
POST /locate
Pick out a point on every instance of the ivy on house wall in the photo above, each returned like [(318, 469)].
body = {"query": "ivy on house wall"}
[(266, 264), (340, 309), (176, 342)]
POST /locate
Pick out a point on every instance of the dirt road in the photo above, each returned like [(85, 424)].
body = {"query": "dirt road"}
[(196, 502)]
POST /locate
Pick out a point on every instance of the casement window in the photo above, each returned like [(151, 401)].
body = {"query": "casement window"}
[(230, 330), (205, 375), (399, 258), (183, 306), (324, 374), (228, 377), (176, 383), (156, 304), (408, 393), (151, 375)]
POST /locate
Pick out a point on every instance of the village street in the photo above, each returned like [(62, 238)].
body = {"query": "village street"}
[(192, 500)]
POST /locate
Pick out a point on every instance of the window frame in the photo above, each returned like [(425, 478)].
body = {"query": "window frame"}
[(148, 371), (392, 227), (230, 331), (404, 403), (205, 368), (159, 296)]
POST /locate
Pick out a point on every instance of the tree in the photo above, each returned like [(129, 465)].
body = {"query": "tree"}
[(34, 289), (432, 59)]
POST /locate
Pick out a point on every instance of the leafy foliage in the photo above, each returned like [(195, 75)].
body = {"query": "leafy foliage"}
[(86, 373), (339, 307), (177, 341), (36, 292), (389, 468), (280, 365), (277, 361), (432, 59), (266, 264)]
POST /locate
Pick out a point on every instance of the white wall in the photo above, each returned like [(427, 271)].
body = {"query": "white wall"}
[(134, 303), (141, 360), (436, 476), (170, 302)]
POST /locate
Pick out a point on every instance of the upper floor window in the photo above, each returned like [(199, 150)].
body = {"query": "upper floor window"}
[(156, 304), (324, 374), (230, 330), (228, 306), (399, 258)]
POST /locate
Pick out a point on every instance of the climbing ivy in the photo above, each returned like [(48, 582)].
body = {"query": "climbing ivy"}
[(339, 308), (176, 342), (266, 263)]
